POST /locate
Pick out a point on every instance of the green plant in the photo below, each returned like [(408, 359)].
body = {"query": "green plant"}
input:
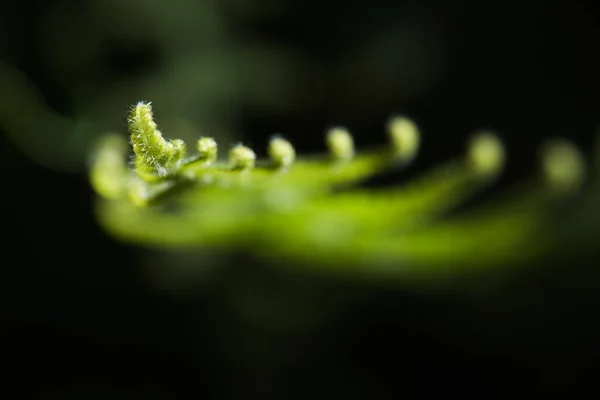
[(313, 210)]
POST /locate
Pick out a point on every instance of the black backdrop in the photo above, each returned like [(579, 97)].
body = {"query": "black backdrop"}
[(77, 321)]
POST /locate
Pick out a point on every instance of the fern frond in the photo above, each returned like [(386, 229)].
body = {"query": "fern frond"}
[(309, 209)]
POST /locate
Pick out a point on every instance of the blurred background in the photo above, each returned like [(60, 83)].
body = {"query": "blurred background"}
[(84, 316)]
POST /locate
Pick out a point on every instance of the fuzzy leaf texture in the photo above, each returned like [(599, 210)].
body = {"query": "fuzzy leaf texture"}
[(310, 210)]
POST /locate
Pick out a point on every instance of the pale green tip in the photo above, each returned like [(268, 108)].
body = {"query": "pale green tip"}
[(404, 136), (153, 153), (563, 165), (281, 152), (486, 154), (242, 157), (179, 149), (340, 143), (109, 174), (207, 147)]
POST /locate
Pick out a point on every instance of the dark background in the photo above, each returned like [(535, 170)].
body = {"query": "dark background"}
[(79, 321)]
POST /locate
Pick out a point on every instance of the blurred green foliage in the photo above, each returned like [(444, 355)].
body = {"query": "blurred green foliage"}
[(202, 63), (195, 64)]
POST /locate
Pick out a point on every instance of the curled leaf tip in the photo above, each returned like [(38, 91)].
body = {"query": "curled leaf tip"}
[(486, 154), (109, 173), (179, 149), (562, 165), (153, 153), (340, 143), (404, 136), (207, 149), (242, 157), (281, 152)]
